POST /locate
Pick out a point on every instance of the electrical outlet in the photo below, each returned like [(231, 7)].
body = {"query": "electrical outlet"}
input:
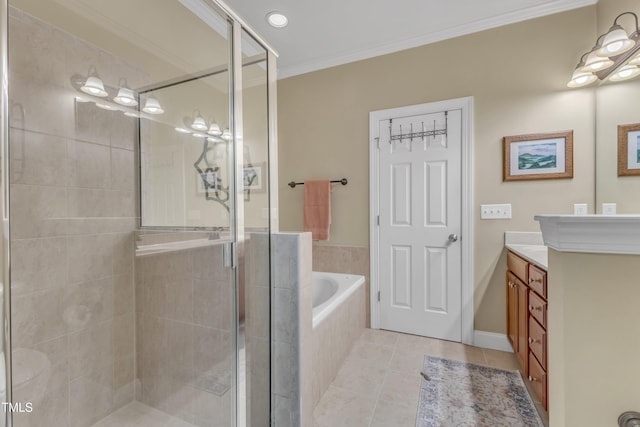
[(608, 209), (495, 211), (580, 209)]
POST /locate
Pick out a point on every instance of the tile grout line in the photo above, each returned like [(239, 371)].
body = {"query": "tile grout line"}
[(384, 380)]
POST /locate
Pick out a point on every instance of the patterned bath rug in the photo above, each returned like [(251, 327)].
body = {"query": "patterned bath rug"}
[(459, 394)]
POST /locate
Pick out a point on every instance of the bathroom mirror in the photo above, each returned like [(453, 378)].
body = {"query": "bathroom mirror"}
[(616, 104)]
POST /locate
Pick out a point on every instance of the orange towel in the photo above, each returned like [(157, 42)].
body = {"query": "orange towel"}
[(317, 208)]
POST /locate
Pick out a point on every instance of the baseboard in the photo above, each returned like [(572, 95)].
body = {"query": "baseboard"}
[(492, 341)]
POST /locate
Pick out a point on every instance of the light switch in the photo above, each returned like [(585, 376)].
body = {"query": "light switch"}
[(495, 211)]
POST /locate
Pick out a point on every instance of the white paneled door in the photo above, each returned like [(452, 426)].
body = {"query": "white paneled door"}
[(419, 206)]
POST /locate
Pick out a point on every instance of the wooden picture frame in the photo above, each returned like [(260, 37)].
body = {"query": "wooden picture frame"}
[(538, 156), (629, 150)]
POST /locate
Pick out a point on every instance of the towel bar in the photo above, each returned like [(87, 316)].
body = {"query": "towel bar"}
[(342, 181)]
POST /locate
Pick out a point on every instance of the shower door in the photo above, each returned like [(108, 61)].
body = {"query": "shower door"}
[(139, 214)]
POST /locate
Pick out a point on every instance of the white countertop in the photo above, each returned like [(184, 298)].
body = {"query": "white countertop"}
[(535, 254), (529, 246)]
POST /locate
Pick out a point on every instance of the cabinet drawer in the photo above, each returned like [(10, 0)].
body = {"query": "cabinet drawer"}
[(518, 266), (538, 308), (538, 380), (538, 342), (538, 280)]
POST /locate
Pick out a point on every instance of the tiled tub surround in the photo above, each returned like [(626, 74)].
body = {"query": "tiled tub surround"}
[(344, 259), (72, 220), (333, 339)]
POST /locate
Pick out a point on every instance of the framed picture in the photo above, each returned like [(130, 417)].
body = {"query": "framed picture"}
[(254, 177), (629, 150), (210, 177), (538, 156)]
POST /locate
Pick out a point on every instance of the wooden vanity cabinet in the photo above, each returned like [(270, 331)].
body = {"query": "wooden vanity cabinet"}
[(527, 321)]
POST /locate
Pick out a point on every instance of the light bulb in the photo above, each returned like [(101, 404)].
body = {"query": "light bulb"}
[(596, 63)]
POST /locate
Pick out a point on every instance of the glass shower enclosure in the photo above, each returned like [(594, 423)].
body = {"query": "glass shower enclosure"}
[(136, 199)]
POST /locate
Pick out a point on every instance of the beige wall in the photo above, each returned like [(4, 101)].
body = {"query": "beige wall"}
[(616, 105), (517, 75), (593, 368)]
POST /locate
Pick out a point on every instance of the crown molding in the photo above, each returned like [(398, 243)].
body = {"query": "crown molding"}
[(436, 36)]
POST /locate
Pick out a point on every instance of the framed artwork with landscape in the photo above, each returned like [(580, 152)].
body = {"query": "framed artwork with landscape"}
[(538, 156), (629, 150)]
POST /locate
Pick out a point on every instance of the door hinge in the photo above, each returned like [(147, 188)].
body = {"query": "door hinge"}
[(378, 296), (377, 138), (378, 220)]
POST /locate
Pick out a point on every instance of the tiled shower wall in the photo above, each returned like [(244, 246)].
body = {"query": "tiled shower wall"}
[(72, 220), (184, 309), (344, 259)]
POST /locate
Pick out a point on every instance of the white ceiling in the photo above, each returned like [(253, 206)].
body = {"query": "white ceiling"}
[(326, 33)]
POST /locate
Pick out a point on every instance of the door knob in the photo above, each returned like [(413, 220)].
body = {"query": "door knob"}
[(453, 238)]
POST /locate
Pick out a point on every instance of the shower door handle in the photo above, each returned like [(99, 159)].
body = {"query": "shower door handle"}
[(229, 254)]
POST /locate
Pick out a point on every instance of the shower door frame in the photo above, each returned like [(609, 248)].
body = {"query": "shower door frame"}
[(4, 209), (237, 26)]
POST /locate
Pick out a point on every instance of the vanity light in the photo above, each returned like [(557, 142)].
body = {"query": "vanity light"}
[(199, 123), (183, 130), (625, 73), (226, 135), (214, 129), (152, 106), (615, 57), (635, 60), (596, 63), (617, 41), (126, 97), (199, 135), (277, 19), (131, 114), (94, 86), (581, 78)]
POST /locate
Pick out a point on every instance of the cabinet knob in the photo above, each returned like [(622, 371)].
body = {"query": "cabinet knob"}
[(531, 340), (531, 308), (511, 284), (532, 379)]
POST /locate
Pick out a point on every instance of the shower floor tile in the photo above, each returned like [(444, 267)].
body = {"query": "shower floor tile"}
[(138, 414)]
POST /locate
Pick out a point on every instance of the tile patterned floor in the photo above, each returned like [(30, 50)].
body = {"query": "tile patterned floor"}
[(379, 383), (138, 414)]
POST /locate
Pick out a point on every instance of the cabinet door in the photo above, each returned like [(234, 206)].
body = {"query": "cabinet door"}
[(512, 311), (523, 325)]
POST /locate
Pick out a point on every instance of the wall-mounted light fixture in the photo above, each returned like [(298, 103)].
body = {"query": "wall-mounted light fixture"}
[(94, 85), (125, 100), (615, 56)]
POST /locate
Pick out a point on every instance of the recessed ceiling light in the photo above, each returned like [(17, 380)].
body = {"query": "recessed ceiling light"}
[(277, 19)]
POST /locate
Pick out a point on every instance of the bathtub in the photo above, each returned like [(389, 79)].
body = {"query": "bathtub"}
[(329, 290)]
